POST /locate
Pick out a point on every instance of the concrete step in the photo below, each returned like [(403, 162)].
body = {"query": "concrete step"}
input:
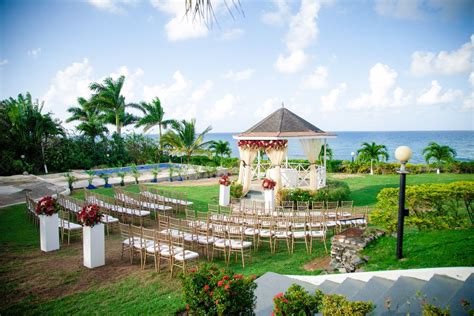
[(348, 288), (270, 284), (437, 291), (327, 286), (466, 293), (372, 290), (397, 295)]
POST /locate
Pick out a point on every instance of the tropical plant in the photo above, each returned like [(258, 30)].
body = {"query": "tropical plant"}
[(70, 180), (439, 153), (329, 154), (91, 174), (92, 120), (372, 152), (220, 148), (122, 175), (153, 115), (108, 98), (170, 172), (105, 177), (135, 173), (155, 172), (183, 139)]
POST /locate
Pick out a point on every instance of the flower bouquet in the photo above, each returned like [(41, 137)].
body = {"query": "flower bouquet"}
[(89, 215), (224, 180), (93, 236), (268, 184), (47, 206)]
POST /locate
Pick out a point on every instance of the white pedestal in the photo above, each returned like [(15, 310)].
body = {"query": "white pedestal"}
[(269, 197), (93, 246), (49, 232), (224, 195)]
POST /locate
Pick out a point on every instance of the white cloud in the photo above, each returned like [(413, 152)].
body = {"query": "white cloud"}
[(329, 101), (278, 16), (167, 92), (445, 63), (468, 103), (239, 75), (180, 27), (293, 63), (383, 93), (435, 95), (3, 62), (113, 6), (317, 79), (224, 107), (35, 52), (232, 34), (132, 86), (422, 9), (268, 106), (471, 78), (202, 90)]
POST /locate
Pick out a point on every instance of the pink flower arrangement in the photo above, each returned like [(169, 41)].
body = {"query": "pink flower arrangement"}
[(89, 215), (47, 206), (268, 184), (224, 180), (264, 144)]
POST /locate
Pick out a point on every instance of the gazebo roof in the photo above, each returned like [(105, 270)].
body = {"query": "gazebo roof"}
[(283, 124)]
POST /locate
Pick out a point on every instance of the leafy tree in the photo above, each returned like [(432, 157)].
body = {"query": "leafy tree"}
[(184, 140), (220, 148), (439, 153), (329, 154), (108, 98), (372, 152), (153, 115), (92, 120)]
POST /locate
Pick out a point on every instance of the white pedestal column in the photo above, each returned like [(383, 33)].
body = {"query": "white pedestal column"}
[(269, 197), (49, 232), (224, 195), (93, 246)]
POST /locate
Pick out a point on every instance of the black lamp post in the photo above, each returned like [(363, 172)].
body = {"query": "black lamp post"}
[(403, 154)]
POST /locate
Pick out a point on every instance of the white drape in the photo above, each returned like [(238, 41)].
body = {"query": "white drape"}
[(247, 156), (276, 157), (312, 148)]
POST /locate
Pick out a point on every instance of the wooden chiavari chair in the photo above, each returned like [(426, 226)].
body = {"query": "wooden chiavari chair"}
[(317, 230), (282, 232), (299, 232), (237, 243)]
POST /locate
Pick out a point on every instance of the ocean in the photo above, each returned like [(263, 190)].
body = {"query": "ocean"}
[(347, 142)]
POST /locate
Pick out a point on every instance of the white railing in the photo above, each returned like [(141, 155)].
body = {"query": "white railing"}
[(303, 169)]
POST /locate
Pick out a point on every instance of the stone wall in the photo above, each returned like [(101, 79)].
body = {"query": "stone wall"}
[(345, 248)]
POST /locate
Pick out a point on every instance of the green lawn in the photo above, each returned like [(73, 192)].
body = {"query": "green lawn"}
[(145, 292)]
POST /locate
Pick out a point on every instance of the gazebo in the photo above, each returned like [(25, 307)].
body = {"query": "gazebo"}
[(271, 135)]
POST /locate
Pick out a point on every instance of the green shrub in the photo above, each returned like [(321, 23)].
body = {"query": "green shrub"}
[(208, 290), (431, 206), (337, 305), (432, 310), (334, 191), (295, 301), (236, 190)]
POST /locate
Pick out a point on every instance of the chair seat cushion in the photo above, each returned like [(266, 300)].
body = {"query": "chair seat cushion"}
[(300, 234), (108, 219), (237, 244), (186, 255), (205, 240), (282, 234), (67, 225), (221, 243), (316, 233), (251, 231), (166, 252), (153, 249), (330, 223), (266, 233)]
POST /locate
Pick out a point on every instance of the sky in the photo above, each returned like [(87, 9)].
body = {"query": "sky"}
[(343, 65)]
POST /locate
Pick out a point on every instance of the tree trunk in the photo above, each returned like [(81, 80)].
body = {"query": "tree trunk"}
[(371, 168), (44, 161), (117, 123), (160, 144)]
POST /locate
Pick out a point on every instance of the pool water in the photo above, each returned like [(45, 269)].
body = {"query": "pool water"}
[(139, 168)]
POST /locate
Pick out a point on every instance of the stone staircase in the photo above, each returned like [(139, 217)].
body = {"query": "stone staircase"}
[(397, 292)]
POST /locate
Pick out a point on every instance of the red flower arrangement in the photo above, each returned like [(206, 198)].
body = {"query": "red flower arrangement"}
[(47, 206), (224, 180), (264, 144), (89, 215), (268, 184)]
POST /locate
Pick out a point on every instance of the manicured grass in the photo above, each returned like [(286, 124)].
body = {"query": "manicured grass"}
[(15, 231), (364, 188), (425, 249)]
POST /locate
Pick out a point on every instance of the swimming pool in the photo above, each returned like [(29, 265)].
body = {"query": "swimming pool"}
[(139, 168)]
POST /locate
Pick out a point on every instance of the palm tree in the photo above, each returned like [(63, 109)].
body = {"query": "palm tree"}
[(440, 153), (329, 153), (220, 148), (92, 120), (184, 140), (108, 97), (153, 115), (371, 152)]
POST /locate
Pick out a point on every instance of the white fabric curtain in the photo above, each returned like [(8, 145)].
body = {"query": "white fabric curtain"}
[(312, 148), (276, 157), (247, 155)]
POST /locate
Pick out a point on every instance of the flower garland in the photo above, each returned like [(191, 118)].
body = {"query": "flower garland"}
[(224, 180), (89, 215), (268, 184), (263, 144), (47, 206)]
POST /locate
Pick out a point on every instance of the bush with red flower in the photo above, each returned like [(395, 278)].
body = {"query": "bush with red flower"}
[(268, 184), (224, 180), (89, 215), (47, 206), (209, 290), (296, 301)]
